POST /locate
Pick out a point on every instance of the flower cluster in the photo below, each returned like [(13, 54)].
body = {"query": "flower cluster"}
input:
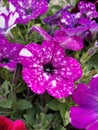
[(41, 68), (19, 12), (75, 25), (48, 66)]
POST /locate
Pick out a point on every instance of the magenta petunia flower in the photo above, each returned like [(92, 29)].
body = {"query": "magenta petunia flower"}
[(85, 115), (68, 41), (46, 67), (7, 124), (8, 18), (9, 54), (30, 9)]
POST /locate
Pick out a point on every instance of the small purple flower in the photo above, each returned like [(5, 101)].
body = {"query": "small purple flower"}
[(85, 115), (8, 19), (9, 54), (84, 27), (63, 16), (90, 26), (87, 9), (30, 9), (46, 67)]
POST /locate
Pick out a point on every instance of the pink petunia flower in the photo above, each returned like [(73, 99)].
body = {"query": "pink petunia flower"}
[(85, 115), (30, 9), (47, 68), (7, 124), (9, 54)]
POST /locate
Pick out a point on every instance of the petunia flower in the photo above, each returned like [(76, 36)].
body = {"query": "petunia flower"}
[(8, 18), (89, 25), (7, 124), (63, 16), (68, 41), (30, 9), (87, 9), (9, 54), (47, 68), (85, 115)]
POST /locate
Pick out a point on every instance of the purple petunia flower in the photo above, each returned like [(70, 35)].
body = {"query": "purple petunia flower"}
[(30, 9), (46, 67), (8, 18), (85, 115), (87, 9), (63, 16), (9, 54)]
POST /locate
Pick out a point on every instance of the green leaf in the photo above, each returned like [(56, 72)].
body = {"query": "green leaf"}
[(22, 104), (29, 116), (30, 119), (16, 114), (46, 120), (6, 103), (54, 105), (5, 111), (94, 61), (4, 90)]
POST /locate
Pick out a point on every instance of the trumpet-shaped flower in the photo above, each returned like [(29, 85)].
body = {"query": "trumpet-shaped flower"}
[(9, 54), (85, 115), (30, 9), (46, 67), (7, 124), (66, 41)]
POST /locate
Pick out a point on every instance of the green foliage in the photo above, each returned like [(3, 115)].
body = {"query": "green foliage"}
[(94, 61), (22, 104)]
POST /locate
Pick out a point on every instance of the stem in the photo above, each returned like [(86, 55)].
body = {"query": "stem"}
[(20, 34)]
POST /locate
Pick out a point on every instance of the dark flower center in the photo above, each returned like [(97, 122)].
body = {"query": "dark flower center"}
[(48, 68), (29, 11), (96, 19), (4, 60)]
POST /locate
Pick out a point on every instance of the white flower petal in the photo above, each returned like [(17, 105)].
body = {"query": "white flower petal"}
[(25, 52), (2, 22), (12, 19)]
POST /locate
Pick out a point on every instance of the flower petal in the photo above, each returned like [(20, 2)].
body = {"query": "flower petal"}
[(35, 79), (19, 125), (94, 85), (59, 87), (81, 117), (85, 98), (93, 126)]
